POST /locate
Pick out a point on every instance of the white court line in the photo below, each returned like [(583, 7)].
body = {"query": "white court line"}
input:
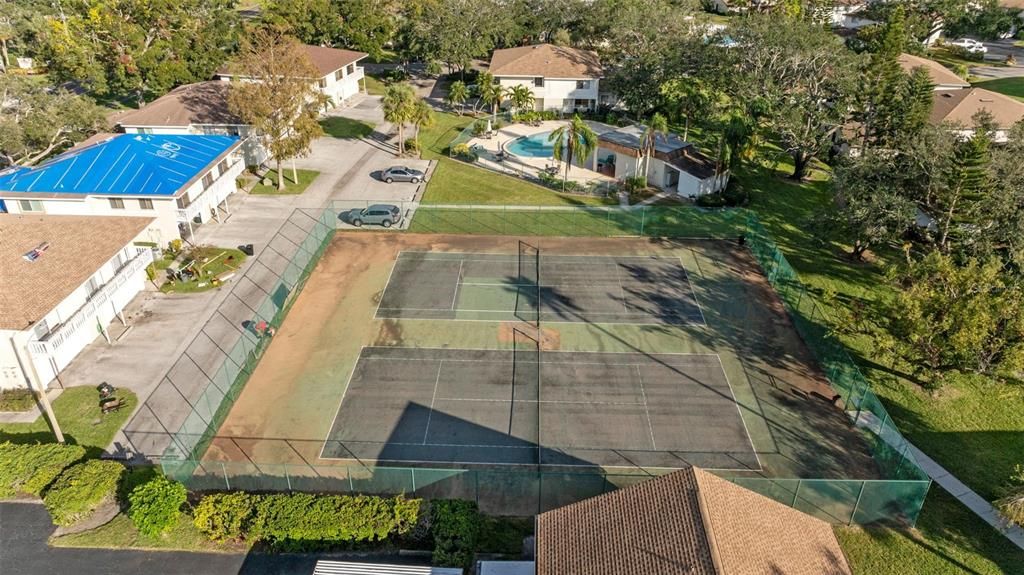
[(545, 351), (647, 411), (508, 361), (337, 412), (622, 291), (458, 282), (692, 292), (512, 257), (426, 429), (550, 401), (739, 411), (441, 309)]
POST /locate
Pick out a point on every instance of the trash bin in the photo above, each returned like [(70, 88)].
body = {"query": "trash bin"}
[(246, 249)]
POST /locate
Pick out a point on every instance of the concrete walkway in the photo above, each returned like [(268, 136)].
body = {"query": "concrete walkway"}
[(968, 497)]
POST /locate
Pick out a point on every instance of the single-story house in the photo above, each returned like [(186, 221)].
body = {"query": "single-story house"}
[(340, 77), (942, 77), (200, 108), (848, 14), (177, 181), (959, 107), (675, 166), (561, 78), (64, 280), (689, 521)]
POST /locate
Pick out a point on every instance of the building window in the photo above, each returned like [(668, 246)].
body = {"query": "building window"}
[(339, 74), (30, 205), (145, 130), (234, 131), (184, 202), (350, 69), (538, 82), (222, 167), (145, 204), (92, 286), (207, 180), (116, 203), (322, 83), (582, 84)]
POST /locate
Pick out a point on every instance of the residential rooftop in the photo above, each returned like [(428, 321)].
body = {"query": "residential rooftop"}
[(123, 165), (669, 148), (325, 60), (687, 522), (75, 247), (939, 74), (546, 60), (960, 106), (202, 103)]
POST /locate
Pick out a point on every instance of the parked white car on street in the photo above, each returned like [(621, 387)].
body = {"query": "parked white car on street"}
[(971, 45)]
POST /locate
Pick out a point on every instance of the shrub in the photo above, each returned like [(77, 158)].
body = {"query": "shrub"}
[(81, 489), (17, 400), (302, 521), (456, 526), (155, 505), (31, 468), (463, 151), (733, 196), (224, 516), (411, 145), (479, 127)]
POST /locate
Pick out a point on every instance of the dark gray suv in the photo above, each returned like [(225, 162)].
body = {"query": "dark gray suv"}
[(382, 214), (401, 174)]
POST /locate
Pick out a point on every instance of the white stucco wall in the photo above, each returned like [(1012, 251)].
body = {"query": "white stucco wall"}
[(556, 94), (341, 89), (692, 187)]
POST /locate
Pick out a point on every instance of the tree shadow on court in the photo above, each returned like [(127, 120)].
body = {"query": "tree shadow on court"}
[(811, 437)]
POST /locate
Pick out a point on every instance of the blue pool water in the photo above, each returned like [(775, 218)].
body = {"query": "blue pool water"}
[(535, 146)]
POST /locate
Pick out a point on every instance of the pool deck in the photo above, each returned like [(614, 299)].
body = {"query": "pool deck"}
[(488, 149)]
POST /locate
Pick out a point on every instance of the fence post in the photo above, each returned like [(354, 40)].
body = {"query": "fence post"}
[(227, 482), (796, 493), (643, 219), (286, 478), (856, 505), (413, 470)]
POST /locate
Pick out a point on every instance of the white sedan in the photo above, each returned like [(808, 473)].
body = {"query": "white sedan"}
[(971, 45)]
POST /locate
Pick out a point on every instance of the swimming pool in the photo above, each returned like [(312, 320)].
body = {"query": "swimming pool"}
[(533, 146)]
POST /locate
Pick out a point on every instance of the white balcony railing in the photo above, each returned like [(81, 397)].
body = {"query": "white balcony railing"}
[(85, 316)]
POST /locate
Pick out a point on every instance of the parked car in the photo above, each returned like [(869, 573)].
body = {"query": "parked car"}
[(381, 214), (971, 45), (401, 174)]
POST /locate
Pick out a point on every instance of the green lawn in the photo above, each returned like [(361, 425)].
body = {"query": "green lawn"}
[(949, 540), (291, 187), (212, 263), (78, 413), (338, 127), (949, 60), (374, 86), (120, 533), (455, 182), (1009, 86)]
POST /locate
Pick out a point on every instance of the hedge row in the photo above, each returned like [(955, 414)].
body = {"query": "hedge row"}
[(31, 468), (81, 489), (298, 521), (455, 524)]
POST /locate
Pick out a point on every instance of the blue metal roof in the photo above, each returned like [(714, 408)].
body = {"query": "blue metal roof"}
[(128, 164)]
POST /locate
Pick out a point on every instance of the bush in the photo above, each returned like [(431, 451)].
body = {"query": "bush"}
[(411, 145), (464, 152), (301, 521), (733, 196), (17, 400), (155, 505), (31, 468), (479, 127), (456, 527), (964, 53), (81, 489)]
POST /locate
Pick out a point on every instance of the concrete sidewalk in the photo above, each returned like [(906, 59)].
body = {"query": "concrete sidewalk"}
[(968, 497)]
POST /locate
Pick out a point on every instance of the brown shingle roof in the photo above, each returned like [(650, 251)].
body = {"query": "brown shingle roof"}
[(325, 60), (546, 60), (78, 246), (939, 74), (959, 106), (199, 103), (688, 522)]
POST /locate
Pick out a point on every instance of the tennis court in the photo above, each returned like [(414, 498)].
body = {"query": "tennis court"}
[(563, 288), (504, 407)]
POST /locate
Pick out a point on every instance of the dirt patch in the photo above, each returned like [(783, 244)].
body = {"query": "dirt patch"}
[(511, 332)]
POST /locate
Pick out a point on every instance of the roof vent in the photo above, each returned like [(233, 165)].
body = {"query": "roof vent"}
[(36, 252)]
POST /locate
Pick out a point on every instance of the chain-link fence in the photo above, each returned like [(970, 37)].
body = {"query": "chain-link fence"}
[(179, 421)]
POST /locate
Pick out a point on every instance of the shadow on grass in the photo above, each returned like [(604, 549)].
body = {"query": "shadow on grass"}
[(338, 127)]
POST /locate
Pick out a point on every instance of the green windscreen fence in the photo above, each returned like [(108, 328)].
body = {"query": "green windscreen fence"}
[(180, 420)]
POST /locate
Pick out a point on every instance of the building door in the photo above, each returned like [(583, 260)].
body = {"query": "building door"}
[(671, 178)]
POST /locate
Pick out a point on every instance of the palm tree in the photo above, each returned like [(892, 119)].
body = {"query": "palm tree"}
[(657, 126), (422, 116), (398, 102), (491, 93), (457, 94), (521, 97), (574, 139)]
